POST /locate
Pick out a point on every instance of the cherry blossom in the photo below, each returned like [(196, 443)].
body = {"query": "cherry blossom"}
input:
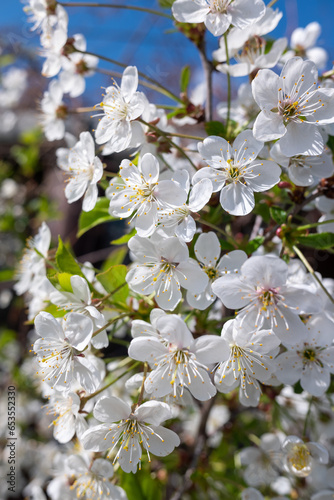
[(207, 251), (79, 301), (292, 107), (179, 220), (218, 15), (265, 298), (235, 172), (176, 358), (311, 360), (121, 106), (85, 170), (303, 41), (299, 456), (32, 265), (54, 112), (249, 361), (59, 352), (67, 420), (128, 430), (305, 170), (142, 195), (163, 266)]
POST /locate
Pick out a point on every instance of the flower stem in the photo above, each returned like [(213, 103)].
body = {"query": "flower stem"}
[(85, 399), (185, 136), (312, 272), (115, 6), (165, 135), (110, 322), (122, 65)]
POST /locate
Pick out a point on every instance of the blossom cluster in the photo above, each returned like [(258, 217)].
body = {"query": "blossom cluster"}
[(204, 316)]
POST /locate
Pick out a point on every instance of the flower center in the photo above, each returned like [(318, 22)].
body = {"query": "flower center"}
[(61, 112), (299, 460), (253, 48), (212, 272), (309, 354), (219, 6)]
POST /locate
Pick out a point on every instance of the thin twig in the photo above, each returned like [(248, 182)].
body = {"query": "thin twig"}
[(312, 272), (228, 86), (122, 65), (115, 6)]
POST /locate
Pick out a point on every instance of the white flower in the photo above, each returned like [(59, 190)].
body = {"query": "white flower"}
[(292, 107), (76, 67), (32, 265), (13, 84), (303, 42), (266, 299), (59, 352), (177, 359), (237, 37), (54, 112), (299, 456), (92, 480), (254, 56), (248, 47), (262, 462), (54, 53), (121, 106), (250, 359), (179, 221), (85, 170), (134, 430), (142, 195), (207, 251), (217, 15), (46, 14), (67, 420), (305, 170), (163, 266), (79, 301), (235, 172), (243, 109), (311, 360)]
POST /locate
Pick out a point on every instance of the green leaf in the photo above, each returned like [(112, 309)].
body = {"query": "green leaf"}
[(64, 280), (278, 214), (65, 260), (185, 78), (124, 239), (116, 257), (254, 244), (98, 215), (112, 280), (321, 241), (7, 274), (215, 128)]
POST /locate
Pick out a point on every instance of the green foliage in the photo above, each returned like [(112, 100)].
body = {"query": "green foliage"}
[(254, 244), (113, 280), (116, 257), (166, 4), (321, 241), (185, 78), (7, 274), (95, 217), (141, 486), (65, 260), (64, 280), (215, 128), (27, 153), (124, 239), (278, 214)]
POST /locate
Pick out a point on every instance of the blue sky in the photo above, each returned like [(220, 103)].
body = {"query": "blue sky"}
[(141, 39)]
